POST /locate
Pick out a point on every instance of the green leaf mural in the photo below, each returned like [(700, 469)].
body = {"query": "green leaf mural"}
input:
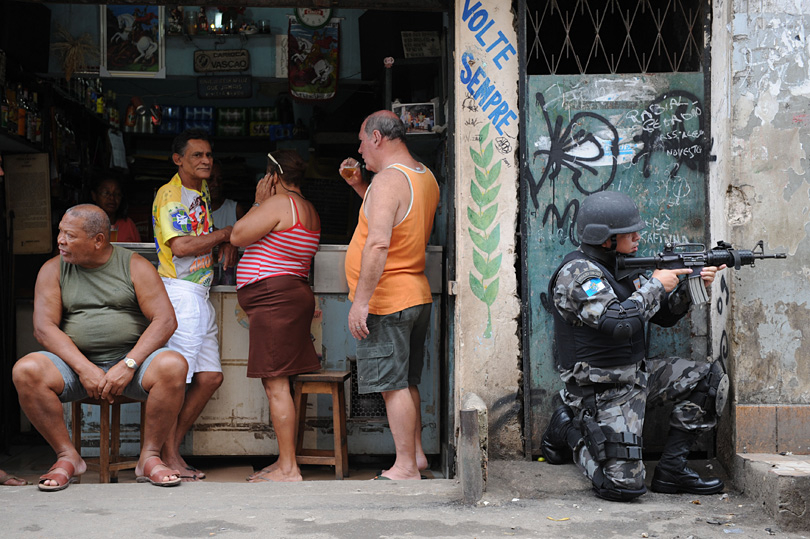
[(484, 280)]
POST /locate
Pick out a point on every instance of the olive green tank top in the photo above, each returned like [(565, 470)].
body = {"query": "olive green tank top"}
[(100, 311)]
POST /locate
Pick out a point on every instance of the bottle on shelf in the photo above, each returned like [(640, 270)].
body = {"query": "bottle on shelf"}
[(22, 109), (11, 124), (90, 95), (116, 111), (26, 104), (30, 118), (129, 118), (99, 108), (98, 105), (37, 119), (3, 110)]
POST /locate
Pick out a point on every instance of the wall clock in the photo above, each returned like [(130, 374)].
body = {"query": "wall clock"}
[(313, 17)]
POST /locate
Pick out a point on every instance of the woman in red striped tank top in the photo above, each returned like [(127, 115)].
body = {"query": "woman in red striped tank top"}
[(280, 234)]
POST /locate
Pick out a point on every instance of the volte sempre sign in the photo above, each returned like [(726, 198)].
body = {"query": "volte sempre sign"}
[(215, 61)]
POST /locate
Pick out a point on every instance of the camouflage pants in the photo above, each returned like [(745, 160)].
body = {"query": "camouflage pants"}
[(622, 408)]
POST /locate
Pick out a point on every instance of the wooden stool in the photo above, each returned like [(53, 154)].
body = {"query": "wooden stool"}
[(323, 383), (109, 461)]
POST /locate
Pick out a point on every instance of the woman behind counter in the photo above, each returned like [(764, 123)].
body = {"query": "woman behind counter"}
[(281, 234), (108, 195)]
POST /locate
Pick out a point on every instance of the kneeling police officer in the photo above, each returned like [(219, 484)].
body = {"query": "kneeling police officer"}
[(599, 321)]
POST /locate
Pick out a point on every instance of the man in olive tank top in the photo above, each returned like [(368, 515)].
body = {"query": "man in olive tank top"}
[(390, 294), (102, 317)]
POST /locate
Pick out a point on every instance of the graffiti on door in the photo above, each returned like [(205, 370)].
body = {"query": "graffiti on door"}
[(590, 148), (642, 135)]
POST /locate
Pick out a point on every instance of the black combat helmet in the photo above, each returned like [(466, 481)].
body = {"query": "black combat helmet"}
[(606, 213)]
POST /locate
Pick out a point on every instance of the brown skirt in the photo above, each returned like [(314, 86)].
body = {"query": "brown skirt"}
[(280, 311)]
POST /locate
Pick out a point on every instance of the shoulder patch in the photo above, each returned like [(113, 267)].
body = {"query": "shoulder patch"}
[(588, 275), (593, 286)]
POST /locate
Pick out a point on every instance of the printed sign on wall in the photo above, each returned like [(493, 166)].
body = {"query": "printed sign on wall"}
[(215, 61), (28, 195)]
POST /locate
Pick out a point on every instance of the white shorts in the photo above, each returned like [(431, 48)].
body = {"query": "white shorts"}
[(196, 334)]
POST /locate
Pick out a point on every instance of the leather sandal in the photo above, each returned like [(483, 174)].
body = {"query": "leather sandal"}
[(62, 473), (155, 476)]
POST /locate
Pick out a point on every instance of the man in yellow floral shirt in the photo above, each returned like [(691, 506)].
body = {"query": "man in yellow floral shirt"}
[(185, 238)]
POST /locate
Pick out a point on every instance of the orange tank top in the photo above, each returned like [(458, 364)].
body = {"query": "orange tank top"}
[(403, 282)]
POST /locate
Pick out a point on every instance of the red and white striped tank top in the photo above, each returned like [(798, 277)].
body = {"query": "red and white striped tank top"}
[(282, 252)]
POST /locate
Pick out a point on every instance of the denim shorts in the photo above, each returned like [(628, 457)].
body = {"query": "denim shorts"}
[(75, 391), (391, 357)]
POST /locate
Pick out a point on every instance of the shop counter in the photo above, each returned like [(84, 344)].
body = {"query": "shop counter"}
[(236, 421)]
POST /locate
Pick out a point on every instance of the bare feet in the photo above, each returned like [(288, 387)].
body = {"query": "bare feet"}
[(265, 470), (276, 475), (398, 473), (421, 462), (187, 472)]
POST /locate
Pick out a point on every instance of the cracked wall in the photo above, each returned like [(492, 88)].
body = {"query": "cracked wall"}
[(767, 196)]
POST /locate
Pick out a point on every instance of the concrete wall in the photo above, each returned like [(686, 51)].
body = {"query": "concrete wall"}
[(762, 167), (487, 345)]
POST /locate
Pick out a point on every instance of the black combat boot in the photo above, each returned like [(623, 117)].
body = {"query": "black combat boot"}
[(560, 437), (672, 475)]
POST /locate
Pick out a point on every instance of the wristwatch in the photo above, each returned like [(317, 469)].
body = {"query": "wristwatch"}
[(131, 363)]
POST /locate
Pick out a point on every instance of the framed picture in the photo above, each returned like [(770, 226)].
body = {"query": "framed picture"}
[(132, 41), (419, 118)]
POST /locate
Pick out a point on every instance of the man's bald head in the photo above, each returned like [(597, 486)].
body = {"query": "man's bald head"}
[(387, 123), (94, 219)]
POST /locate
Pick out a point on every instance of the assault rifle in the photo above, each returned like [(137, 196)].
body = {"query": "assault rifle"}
[(695, 256)]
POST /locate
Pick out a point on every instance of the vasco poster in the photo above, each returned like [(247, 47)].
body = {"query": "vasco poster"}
[(313, 61)]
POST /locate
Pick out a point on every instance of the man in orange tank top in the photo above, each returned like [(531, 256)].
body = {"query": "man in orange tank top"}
[(385, 269)]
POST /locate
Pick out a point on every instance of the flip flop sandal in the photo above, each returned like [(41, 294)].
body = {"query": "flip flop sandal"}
[(197, 473), (254, 475), (5, 478), (151, 475), (260, 477), (381, 478), (62, 473), (380, 475)]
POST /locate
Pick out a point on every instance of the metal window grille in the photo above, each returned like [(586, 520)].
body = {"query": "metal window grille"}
[(614, 36), (371, 405)]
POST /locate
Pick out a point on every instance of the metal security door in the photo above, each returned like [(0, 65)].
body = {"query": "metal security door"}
[(596, 118), (641, 135)]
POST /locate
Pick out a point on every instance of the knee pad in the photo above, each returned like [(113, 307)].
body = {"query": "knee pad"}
[(711, 393)]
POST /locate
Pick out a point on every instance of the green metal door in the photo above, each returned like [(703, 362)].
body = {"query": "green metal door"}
[(644, 135)]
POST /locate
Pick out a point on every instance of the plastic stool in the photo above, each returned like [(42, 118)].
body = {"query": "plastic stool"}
[(323, 383)]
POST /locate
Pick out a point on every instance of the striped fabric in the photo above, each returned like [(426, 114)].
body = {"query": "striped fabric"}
[(283, 252)]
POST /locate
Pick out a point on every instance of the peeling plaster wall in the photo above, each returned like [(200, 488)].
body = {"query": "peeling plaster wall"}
[(719, 177), (769, 199), (487, 346)]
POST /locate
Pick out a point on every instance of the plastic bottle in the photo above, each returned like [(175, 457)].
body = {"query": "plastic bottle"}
[(98, 105), (129, 118)]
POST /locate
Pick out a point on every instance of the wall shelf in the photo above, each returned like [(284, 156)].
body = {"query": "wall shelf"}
[(220, 39), (14, 144)]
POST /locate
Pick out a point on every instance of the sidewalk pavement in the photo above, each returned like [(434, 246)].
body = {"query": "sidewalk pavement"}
[(523, 499)]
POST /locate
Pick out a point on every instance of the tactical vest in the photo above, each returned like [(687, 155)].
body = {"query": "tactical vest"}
[(583, 343)]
